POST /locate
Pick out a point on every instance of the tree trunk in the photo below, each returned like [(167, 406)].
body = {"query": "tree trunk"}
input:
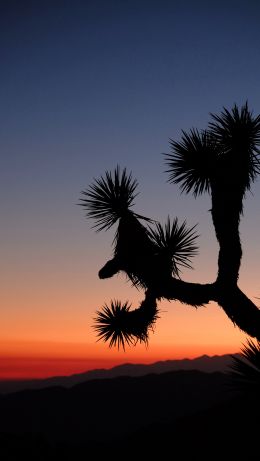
[(226, 210)]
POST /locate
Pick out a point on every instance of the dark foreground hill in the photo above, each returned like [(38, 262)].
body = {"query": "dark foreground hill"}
[(190, 413), (203, 363)]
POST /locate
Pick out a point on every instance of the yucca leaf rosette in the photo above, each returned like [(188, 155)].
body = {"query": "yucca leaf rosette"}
[(192, 161), (120, 326), (109, 198), (228, 151), (237, 134), (175, 244)]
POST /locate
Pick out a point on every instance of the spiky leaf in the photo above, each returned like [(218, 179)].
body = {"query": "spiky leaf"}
[(109, 198), (120, 326), (175, 242), (192, 161), (237, 133)]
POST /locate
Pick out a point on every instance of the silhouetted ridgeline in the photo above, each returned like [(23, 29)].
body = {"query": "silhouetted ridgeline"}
[(188, 412), (203, 363)]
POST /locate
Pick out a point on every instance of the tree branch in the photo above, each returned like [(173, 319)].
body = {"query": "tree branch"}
[(238, 307)]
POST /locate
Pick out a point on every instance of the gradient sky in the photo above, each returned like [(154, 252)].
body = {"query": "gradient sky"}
[(86, 85)]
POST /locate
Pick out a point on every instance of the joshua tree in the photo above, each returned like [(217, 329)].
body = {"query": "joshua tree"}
[(222, 160)]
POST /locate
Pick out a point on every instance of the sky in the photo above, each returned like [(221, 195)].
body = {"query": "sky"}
[(84, 86)]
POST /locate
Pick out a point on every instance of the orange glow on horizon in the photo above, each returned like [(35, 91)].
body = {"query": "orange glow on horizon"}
[(53, 338), (43, 360)]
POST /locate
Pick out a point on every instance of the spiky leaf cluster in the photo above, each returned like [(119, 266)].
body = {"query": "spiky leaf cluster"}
[(120, 326), (175, 244), (227, 149), (109, 198), (237, 133), (245, 371), (192, 161)]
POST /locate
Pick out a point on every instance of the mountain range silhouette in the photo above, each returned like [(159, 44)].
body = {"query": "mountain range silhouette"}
[(203, 363), (184, 414)]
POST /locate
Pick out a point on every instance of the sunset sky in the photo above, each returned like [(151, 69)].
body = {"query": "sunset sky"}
[(86, 85)]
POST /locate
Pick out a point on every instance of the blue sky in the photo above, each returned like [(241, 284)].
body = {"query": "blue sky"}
[(87, 85)]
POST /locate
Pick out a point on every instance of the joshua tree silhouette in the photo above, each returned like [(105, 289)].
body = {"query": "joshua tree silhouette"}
[(222, 160)]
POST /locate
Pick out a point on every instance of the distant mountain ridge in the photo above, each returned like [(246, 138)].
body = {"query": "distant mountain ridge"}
[(205, 363)]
